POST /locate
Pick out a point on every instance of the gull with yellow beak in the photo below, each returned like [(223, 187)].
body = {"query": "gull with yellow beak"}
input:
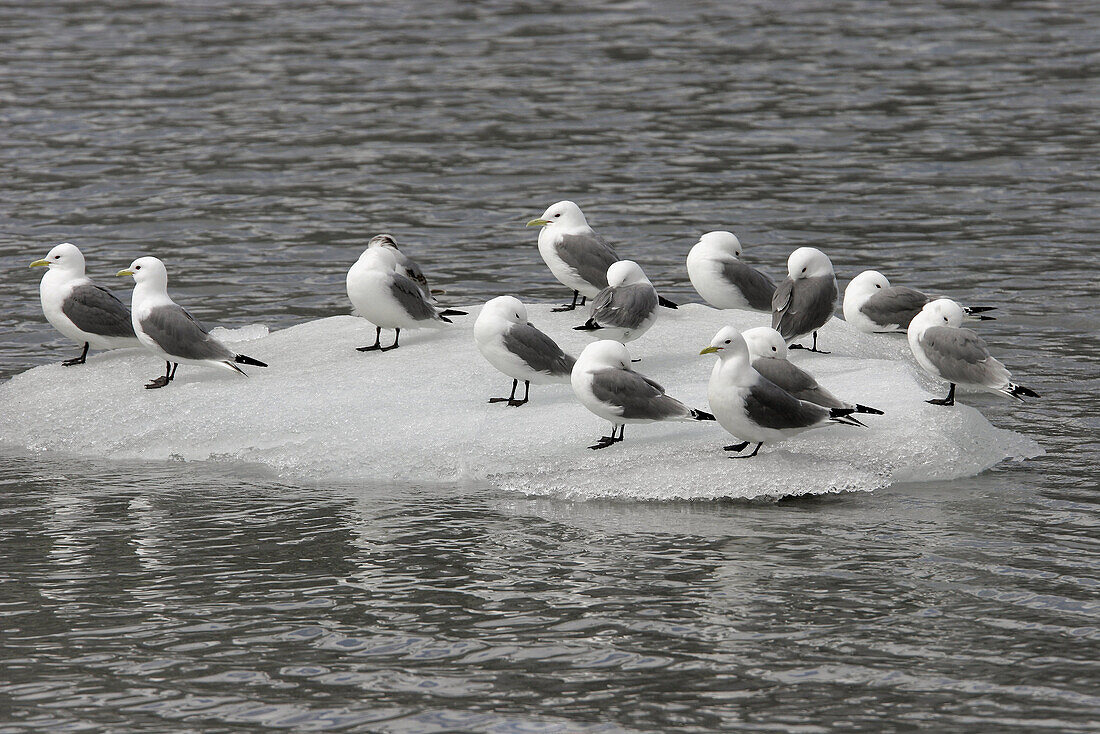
[(576, 255), (87, 313), (168, 331)]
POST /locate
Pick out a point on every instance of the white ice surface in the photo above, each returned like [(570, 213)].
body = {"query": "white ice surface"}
[(419, 414)]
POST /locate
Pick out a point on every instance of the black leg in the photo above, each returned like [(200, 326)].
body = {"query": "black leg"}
[(77, 360), (169, 373), (377, 341), (749, 456), (606, 441), (526, 395), (584, 299), (510, 398), (622, 428), (571, 306), (736, 446), (396, 336), (949, 400), (809, 349)]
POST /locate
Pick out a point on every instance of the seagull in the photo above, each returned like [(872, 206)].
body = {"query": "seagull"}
[(87, 313), (957, 355), (626, 308), (768, 353), (804, 302), (753, 408), (605, 384), (389, 300), (405, 264), (577, 256), (874, 306), (515, 347), (715, 269), (168, 331)]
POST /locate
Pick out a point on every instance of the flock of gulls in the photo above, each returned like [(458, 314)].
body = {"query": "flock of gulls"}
[(754, 392)]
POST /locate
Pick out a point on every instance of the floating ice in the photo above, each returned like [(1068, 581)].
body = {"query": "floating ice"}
[(419, 414)]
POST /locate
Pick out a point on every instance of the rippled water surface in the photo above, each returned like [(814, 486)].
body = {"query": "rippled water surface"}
[(255, 147)]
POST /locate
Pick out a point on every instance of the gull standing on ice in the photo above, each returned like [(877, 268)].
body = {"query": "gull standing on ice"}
[(626, 308), (605, 384), (804, 302), (753, 408), (715, 269), (957, 355), (168, 331), (87, 313), (768, 354), (389, 300), (405, 264), (874, 306), (515, 347), (576, 255)]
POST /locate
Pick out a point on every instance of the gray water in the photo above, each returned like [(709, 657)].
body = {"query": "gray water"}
[(256, 146)]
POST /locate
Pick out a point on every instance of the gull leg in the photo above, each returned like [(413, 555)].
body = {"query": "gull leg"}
[(396, 336), (809, 349), (949, 400), (169, 373), (377, 341), (77, 360), (622, 428), (606, 441), (736, 446), (571, 306), (749, 456), (510, 398), (526, 395)]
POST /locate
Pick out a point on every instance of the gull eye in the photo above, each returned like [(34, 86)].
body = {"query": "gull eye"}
[(557, 215), (877, 285), (803, 270), (137, 267), (945, 319), (728, 341), (774, 349)]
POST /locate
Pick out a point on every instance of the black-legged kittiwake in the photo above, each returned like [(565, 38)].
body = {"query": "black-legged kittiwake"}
[(874, 306), (805, 300), (715, 269), (576, 255), (626, 308)]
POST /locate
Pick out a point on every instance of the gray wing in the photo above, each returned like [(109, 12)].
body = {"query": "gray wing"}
[(177, 333), (771, 406), (757, 288), (414, 273), (589, 255), (540, 352), (962, 356), (894, 306), (803, 306), (797, 381), (626, 306), (637, 395), (411, 298), (97, 311)]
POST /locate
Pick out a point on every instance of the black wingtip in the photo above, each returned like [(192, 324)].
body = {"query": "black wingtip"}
[(701, 415), (844, 417), (868, 410), (1017, 391), (589, 325), (661, 300), (452, 312), (244, 359), (445, 319), (979, 309)]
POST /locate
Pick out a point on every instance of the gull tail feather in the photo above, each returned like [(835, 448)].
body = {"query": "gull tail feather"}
[(701, 415), (1019, 391), (844, 417), (452, 312), (868, 410), (244, 359)]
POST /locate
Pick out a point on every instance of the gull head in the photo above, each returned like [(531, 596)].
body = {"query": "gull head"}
[(65, 257), (625, 272), (603, 354), (867, 282), (764, 341), (808, 262), (382, 240), (147, 270), (943, 312), (721, 241), (507, 308), (378, 258), (565, 215), (727, 343)]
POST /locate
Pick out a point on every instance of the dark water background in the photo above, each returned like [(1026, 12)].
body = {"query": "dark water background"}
[(256, 146)]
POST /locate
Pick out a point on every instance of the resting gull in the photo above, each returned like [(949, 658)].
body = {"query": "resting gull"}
[(405, 264), (957, 355), (753, 408), (605, 384), (168, 331), (87, 313), (804, 302), (715, 269), (576, 255), (874, 306), (626, 308), (515, 347)]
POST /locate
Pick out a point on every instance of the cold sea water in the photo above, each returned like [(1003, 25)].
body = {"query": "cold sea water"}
[(255, 146)]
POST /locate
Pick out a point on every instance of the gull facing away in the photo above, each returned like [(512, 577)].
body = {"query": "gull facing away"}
[(715, 269), (605, 384), (389, 300), (804, 302), (515, 347), (753, 408), (168, 331), (768, 355), (957, 355), (576, 255), (626, 308), (874, 306), (87, 313), (405, 264)]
